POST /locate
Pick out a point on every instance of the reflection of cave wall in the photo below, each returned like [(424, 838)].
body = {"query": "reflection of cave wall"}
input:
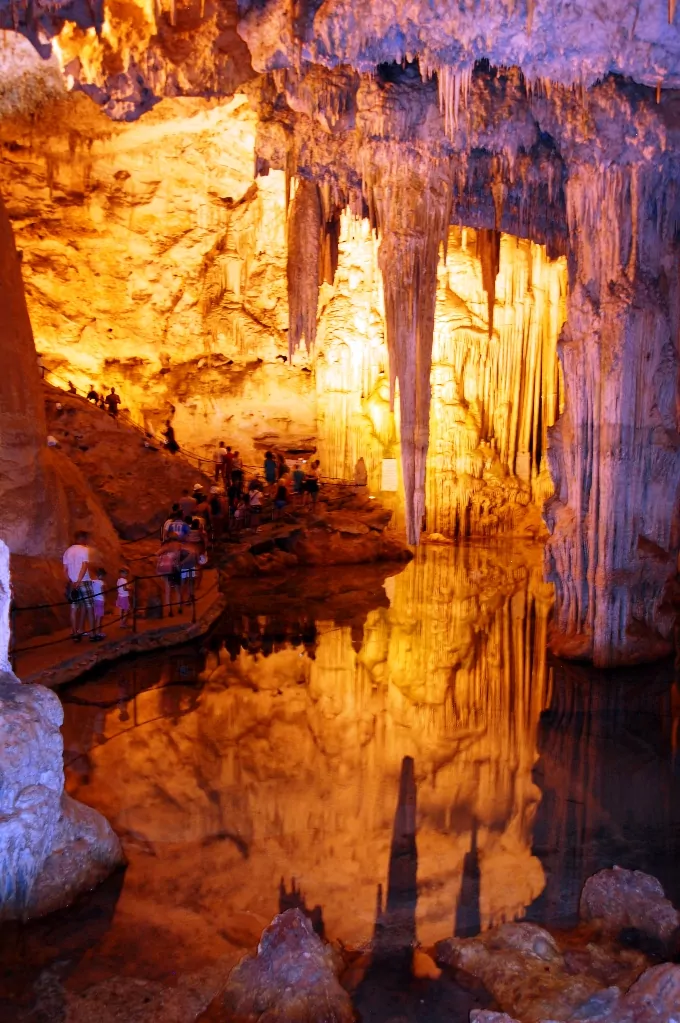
[(297, 761), (611, 744)]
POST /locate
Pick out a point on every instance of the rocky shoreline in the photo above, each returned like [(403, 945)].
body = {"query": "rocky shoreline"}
[(612, 968)]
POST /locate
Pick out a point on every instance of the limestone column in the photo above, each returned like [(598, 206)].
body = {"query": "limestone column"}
[(24, 503), (408, 186), (614, 453)]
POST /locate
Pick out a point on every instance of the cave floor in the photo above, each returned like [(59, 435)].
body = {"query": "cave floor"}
[(259, 768)]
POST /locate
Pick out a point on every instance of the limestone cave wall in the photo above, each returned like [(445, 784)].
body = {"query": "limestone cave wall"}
[(555, 126)]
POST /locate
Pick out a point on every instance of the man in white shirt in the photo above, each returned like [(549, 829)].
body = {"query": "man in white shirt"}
[(219, 458), (76, 562)]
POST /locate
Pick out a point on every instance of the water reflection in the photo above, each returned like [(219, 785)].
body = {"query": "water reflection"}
[(264, 773)]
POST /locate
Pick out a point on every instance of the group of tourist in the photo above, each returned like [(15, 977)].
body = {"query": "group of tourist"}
[(86, 592), (195, 520)]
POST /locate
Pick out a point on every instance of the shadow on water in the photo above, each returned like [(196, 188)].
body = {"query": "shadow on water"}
[(393, 987), (468, 919), (295, 899)]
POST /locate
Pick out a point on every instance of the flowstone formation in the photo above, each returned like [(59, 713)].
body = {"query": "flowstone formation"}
[(548, 125)]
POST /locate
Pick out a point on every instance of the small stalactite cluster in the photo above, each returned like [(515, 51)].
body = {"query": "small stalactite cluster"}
[(409, 201)]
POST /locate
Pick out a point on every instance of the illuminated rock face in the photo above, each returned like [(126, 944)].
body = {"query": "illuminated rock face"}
[(384, 115)]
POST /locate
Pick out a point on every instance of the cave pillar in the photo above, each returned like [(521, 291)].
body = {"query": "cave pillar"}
[(409, 199), (614, 451), (22, 409)]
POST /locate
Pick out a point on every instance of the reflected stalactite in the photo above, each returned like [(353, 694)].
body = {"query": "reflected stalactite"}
[(304, 256), (468, 920), (395, 929)]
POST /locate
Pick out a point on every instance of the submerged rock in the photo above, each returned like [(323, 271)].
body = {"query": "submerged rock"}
[(628, 903), (293, 977), (51, 847)]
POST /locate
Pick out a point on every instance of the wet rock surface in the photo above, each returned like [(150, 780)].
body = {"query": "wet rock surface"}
[(293, 977), (52, 847), (631, 904), (523, 968)]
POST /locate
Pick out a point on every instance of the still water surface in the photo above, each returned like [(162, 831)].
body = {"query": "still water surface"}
[(262, 768)]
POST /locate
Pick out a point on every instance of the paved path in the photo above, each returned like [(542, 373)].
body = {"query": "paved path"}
[(55, 659)]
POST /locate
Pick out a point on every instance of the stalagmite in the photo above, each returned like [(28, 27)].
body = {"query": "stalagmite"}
[(304, 238)]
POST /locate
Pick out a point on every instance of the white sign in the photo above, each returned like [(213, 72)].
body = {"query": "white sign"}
[(389, 474)]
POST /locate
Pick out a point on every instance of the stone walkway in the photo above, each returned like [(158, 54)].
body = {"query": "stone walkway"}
[(55, 659)]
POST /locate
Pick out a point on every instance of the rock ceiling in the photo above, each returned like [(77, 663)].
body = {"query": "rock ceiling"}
[(551, 122)]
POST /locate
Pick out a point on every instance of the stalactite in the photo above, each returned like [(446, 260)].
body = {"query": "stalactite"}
[(329, 250), (304, 237), (489, 252), (671, 11), (411, 196), (454, 87)]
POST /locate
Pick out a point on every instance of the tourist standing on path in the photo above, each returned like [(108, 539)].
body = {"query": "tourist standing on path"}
[(187, 503), (71, 387), (167, 566), (282, 468), (92, 395), (237, 469), (123, 597), (311, 484), (255, 507), (76, 562), (112, 402), (271, 473), (228, 458), (298, 480), (280, 500), (219, 459), (170, 442)]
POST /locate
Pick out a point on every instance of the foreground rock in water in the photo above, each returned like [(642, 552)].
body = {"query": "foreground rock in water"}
[(654, 998), (522, 967), (51, 847), (621, 901), (293, 977)]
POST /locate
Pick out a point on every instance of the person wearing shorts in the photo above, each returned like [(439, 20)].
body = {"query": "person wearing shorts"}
[(123, 597), (76, 562)]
